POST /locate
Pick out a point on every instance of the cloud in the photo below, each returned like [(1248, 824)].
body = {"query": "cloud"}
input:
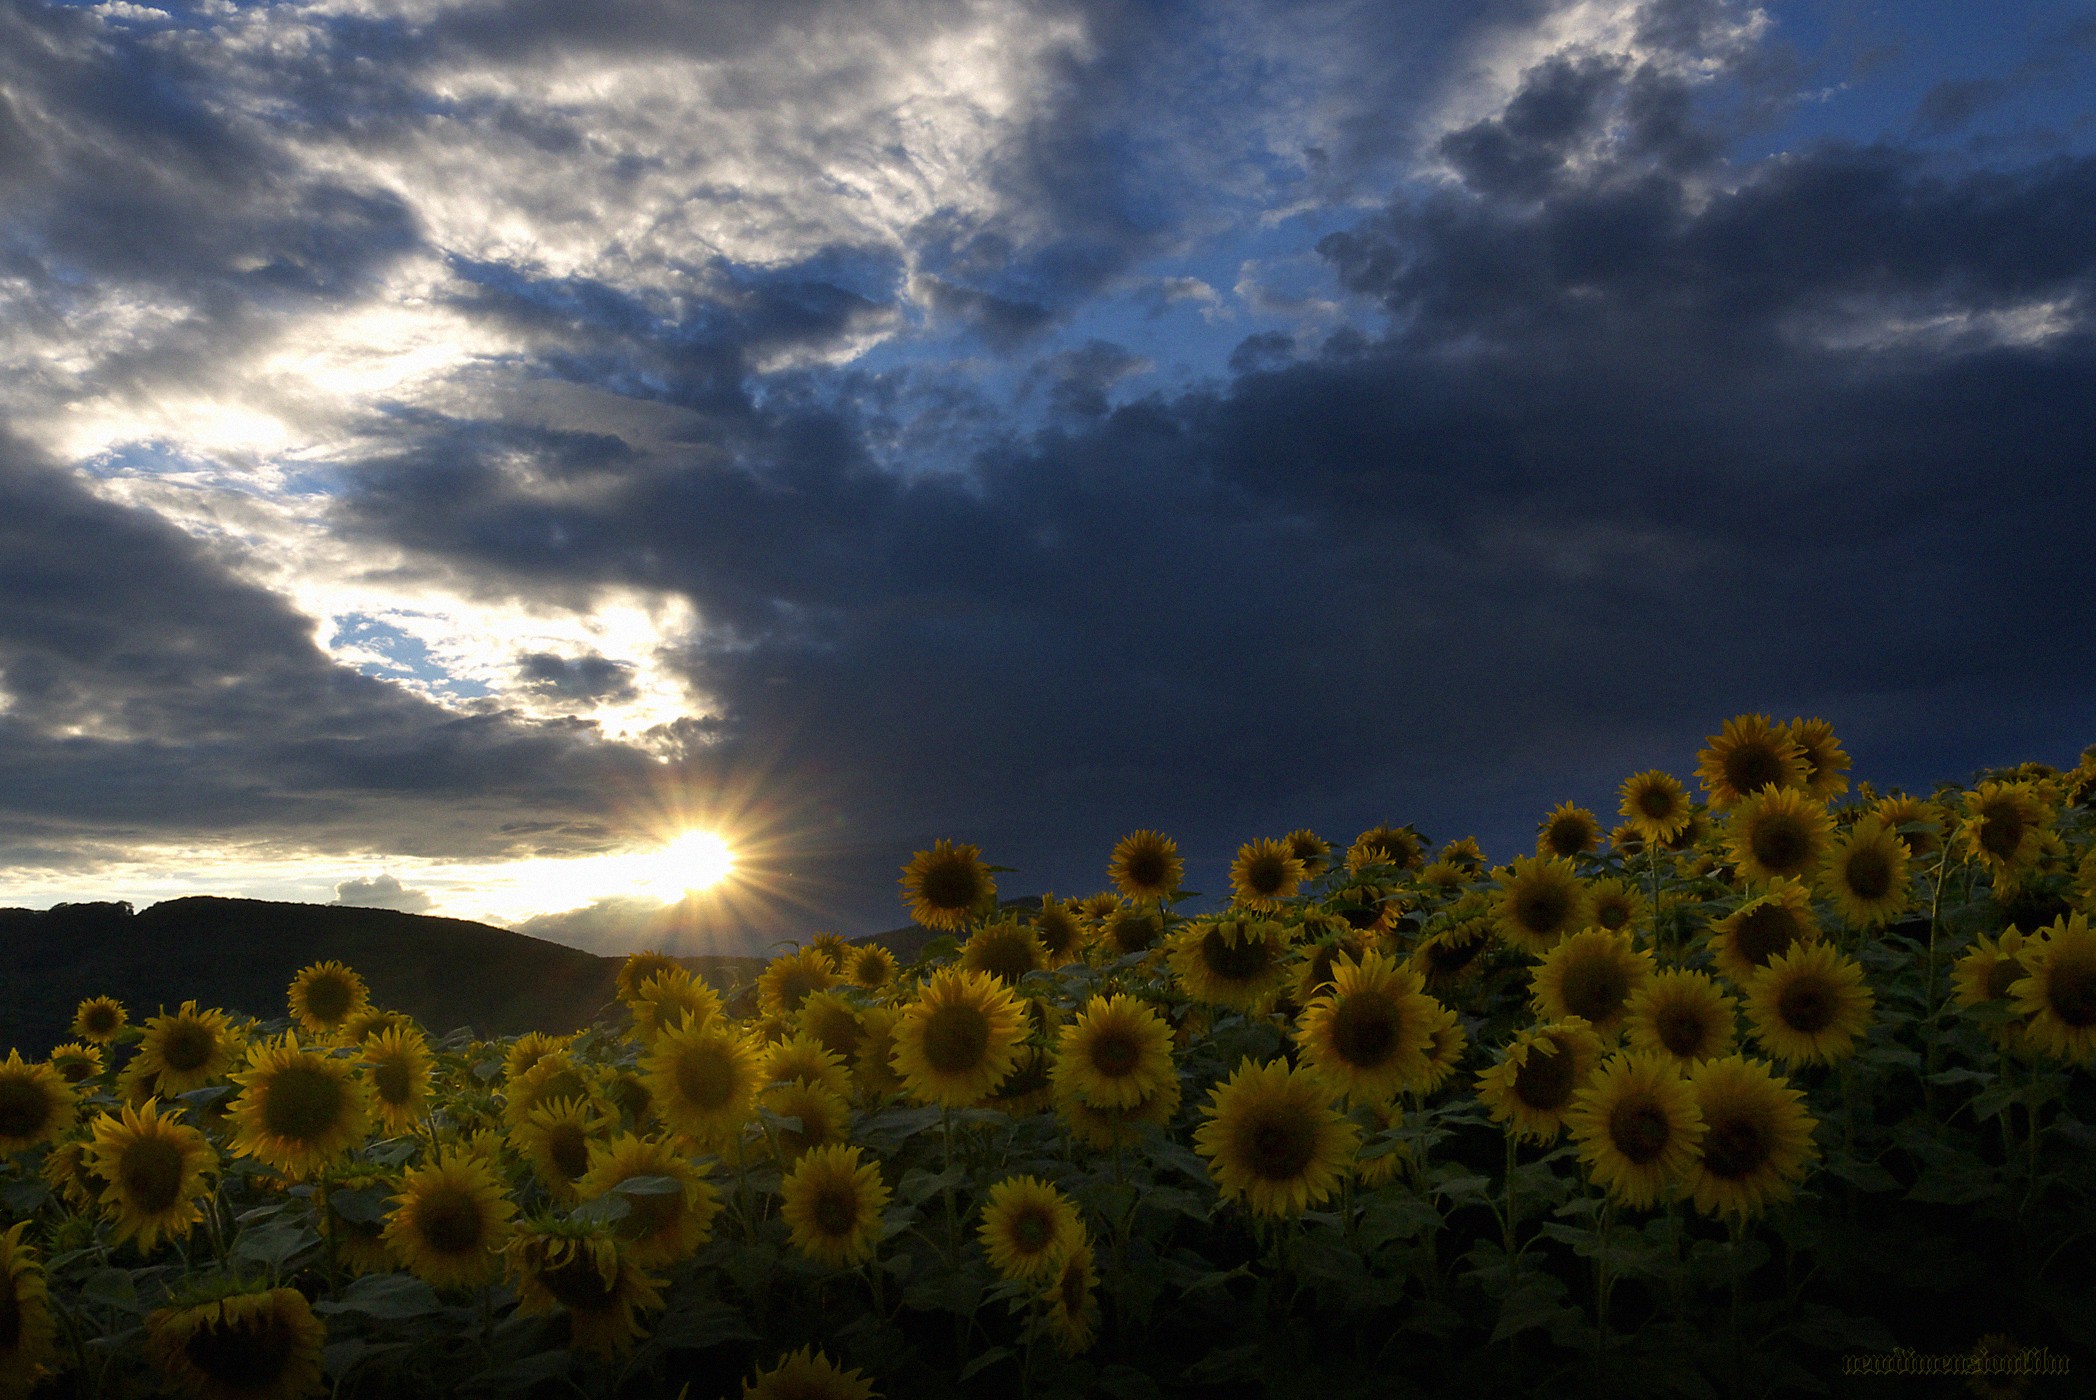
[(382, 892)]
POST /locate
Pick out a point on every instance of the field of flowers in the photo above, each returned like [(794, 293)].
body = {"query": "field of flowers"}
[(1785, 1089)]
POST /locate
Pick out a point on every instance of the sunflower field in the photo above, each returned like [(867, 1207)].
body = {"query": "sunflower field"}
[(1781, 1089)]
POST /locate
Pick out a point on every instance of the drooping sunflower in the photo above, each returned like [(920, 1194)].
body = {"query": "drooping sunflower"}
[(832, 1202), (553, 1078), (958, 1039), (1264, 875), (808, 1375), (400, 1067), (1366, 1039), (1655, 805), (155, 1169), (555, 1138), (1146, 865), (1311, 851), (1826, 763), (322, 997), (76, 1063), (1386, 845), (1902, 811), (834, 946), (1070, 1312), (240, 1346), (1615, 905), (1593, 974), (36, 1104), (1865, 874), (871, 966), (1809, 1006), (1749, 755), (1451, 955), (451, 1221), (67, 1172), (1989, 968), (1109, 1128), (873, 1069), (1684, 1014), (185, 1050), (666, 1223), (99, 1020), (582, 1271), (298, 1110), (1539, 902), (704, 1080), (1273, 1139), (673, 998), (1757, 1137), (1234, 962), (1004, 948), (28, 1332), (1117, 1053), (1131, 929), (1637, 1126), (2057, 993), (807, 1060), (813, 1117), (1446, 1042), (831, 1021), (1570, 830), (1532, 1086), (1765, 927), (1314, 962), (1059, 929), (2004, 828), (1777, 833), (947, 884), (790, 979), (1026, 1225), (1029, 1088)]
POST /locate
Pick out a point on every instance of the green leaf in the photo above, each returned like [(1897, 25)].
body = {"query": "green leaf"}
[(707, 1325), (650, 1186), (985, 1361), (1128, 1383), (918, 1185), (271, 1245), (364, 1205), (25, 1196), (390, 1296), (1864, 1176), (606, 1209), (1402, 1219), (112, 1288)]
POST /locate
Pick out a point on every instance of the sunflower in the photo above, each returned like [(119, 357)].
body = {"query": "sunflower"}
[(36, 1104), (1989, 968), (1539, 902), (674, 998), (76, 1063), (873, 1069), (1865, 874), (1777, 833), (1004, 948), (1900, 811), (1026, 1225), (1592, 975), (155, 1169), (2003, 828), (1764, 927), (870, 966), (1637, 1126), (639, 967), (945, 885), (1386, 845), (1314, 964), (1117, 1053), (555, 1077), (1265, 874), (818, 1118), (1533, 1085), (1684, 1014), (1654, 804), (1131, 929), (324, 996), (1446, 1042), (1465, 852), (1375, 1171), (1570, 830), (72, 1179), (1757, 1137), (1751, 754), (2057, 993), (1110, 1128), (831, 1021), (808, 1375), (668, 1222), (1809, 1005), (1029, 1088), (1273, 1139), (1311, 851), (99, 1020), (1366, 1039), (1059, 929), (241, 1346), (1239, 963), (1826, 763), (581, 1270), (398, 1064), (555, 1138), (1615, 905), (297, 1110), (186, 1050), (360, 1028), (531, 1047), (1444, 877), (789, 979), (1070, 1313), (807, 1060), (833, 946), (451, 1221), (958, 1039), (832, 1202), (1451, 955), (1146, 865), (28, 1332)]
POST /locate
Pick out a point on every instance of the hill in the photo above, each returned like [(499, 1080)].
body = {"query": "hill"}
[(241, 954)]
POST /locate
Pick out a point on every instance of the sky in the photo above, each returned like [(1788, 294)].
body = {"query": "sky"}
[(450, 451)]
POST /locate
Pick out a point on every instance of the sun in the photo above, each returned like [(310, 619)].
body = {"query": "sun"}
[(691, 860)]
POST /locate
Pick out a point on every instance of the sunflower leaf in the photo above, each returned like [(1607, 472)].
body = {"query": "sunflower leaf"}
[(391, 1296)]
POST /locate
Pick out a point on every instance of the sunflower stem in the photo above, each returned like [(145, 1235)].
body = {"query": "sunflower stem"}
[(1739, 1233), (1604, 1284), (1928, 993), (1507, 1220)]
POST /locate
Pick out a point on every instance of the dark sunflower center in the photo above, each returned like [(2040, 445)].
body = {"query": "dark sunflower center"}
[(1131, 933), (1781, 843), (1241, 961), (74, 1068), (951, 884), (395, 1085), (1115, 1053), (1752, 766), (838, 1031), (1280, 1147), (1365, 1029), (2001, 830), (1806, 1005), (328, 999), (1070, 1288), (1765, 931), (1655, 803), (1596, 988), (1452, 954), (303, 1103), (450, 1222), (247, 1357), (869, 968), (1057, 932), (187, 1046), (151, 1173), (1735, 1147), (2005, 973), (706, 1077), (100, 1020), (1682, 1029), (1612, 913), (568, 1149), (1032, 1230), (1542, 909), (1544, 1081), (561, 1084), (1569, 836), (1266, 874), (25, 1108), (651, 1215), (1868, 872), (1006, 957), (956, 1037), (2071, 989), (836, 1211), (795, 987), (1146, 867), (1640, 1131), (578, 1284)]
